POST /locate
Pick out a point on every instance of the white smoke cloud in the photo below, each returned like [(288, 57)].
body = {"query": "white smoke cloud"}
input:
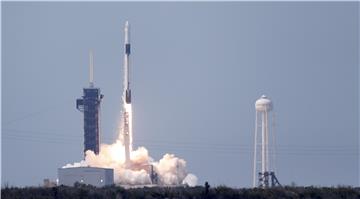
[(171, 170), (190, 180)]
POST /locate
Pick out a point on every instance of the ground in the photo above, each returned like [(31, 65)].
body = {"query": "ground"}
[(83, 191)]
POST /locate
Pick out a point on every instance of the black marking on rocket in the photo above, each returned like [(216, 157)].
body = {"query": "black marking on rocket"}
[(127, 49), (128, 96)]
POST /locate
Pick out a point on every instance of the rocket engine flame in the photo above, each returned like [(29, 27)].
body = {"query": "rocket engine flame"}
[(133, 167)]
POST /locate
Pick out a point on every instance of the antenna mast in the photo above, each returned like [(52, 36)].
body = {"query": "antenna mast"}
[(91, 69)]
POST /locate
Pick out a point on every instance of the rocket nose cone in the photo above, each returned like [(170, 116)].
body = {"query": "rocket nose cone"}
[(127, 23)]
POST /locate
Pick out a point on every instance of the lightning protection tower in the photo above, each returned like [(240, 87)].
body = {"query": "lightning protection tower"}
[(89, 104), (266, 174)]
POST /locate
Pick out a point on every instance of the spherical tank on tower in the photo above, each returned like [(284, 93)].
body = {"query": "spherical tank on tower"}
[(263, 104)]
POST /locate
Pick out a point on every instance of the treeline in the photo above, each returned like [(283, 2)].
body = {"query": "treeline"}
[(199, 192)]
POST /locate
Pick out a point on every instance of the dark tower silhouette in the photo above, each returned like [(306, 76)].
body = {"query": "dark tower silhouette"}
[(89, 104)]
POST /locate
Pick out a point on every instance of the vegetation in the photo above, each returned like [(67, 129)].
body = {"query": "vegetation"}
[(222, 192)]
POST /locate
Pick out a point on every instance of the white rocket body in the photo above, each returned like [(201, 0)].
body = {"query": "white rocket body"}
[(127, 111), (127, 63)]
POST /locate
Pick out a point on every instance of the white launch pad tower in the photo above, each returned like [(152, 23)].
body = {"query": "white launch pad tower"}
[(262, 168)]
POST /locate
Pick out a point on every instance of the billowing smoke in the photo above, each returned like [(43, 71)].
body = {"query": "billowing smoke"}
[(171, 170)]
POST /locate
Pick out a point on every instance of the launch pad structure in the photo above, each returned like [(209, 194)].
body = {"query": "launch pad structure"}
[(95, 176), (89, 104)]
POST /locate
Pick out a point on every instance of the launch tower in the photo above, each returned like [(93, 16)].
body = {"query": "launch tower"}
[(89, 104)]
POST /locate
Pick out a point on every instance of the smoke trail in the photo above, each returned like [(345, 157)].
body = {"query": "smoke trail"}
[(128, 109)]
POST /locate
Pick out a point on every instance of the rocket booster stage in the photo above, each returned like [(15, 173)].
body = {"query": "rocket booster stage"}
[(127, 63)]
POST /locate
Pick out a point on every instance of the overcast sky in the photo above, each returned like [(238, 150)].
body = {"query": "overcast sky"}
[(197, 69)]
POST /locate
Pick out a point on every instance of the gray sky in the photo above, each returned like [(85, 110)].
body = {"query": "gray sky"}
[(197, 69)]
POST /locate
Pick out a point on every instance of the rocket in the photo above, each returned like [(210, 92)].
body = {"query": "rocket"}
[(127, 115), (127, 63)]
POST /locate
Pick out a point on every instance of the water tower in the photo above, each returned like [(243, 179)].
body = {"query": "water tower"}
[(265, 174)]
